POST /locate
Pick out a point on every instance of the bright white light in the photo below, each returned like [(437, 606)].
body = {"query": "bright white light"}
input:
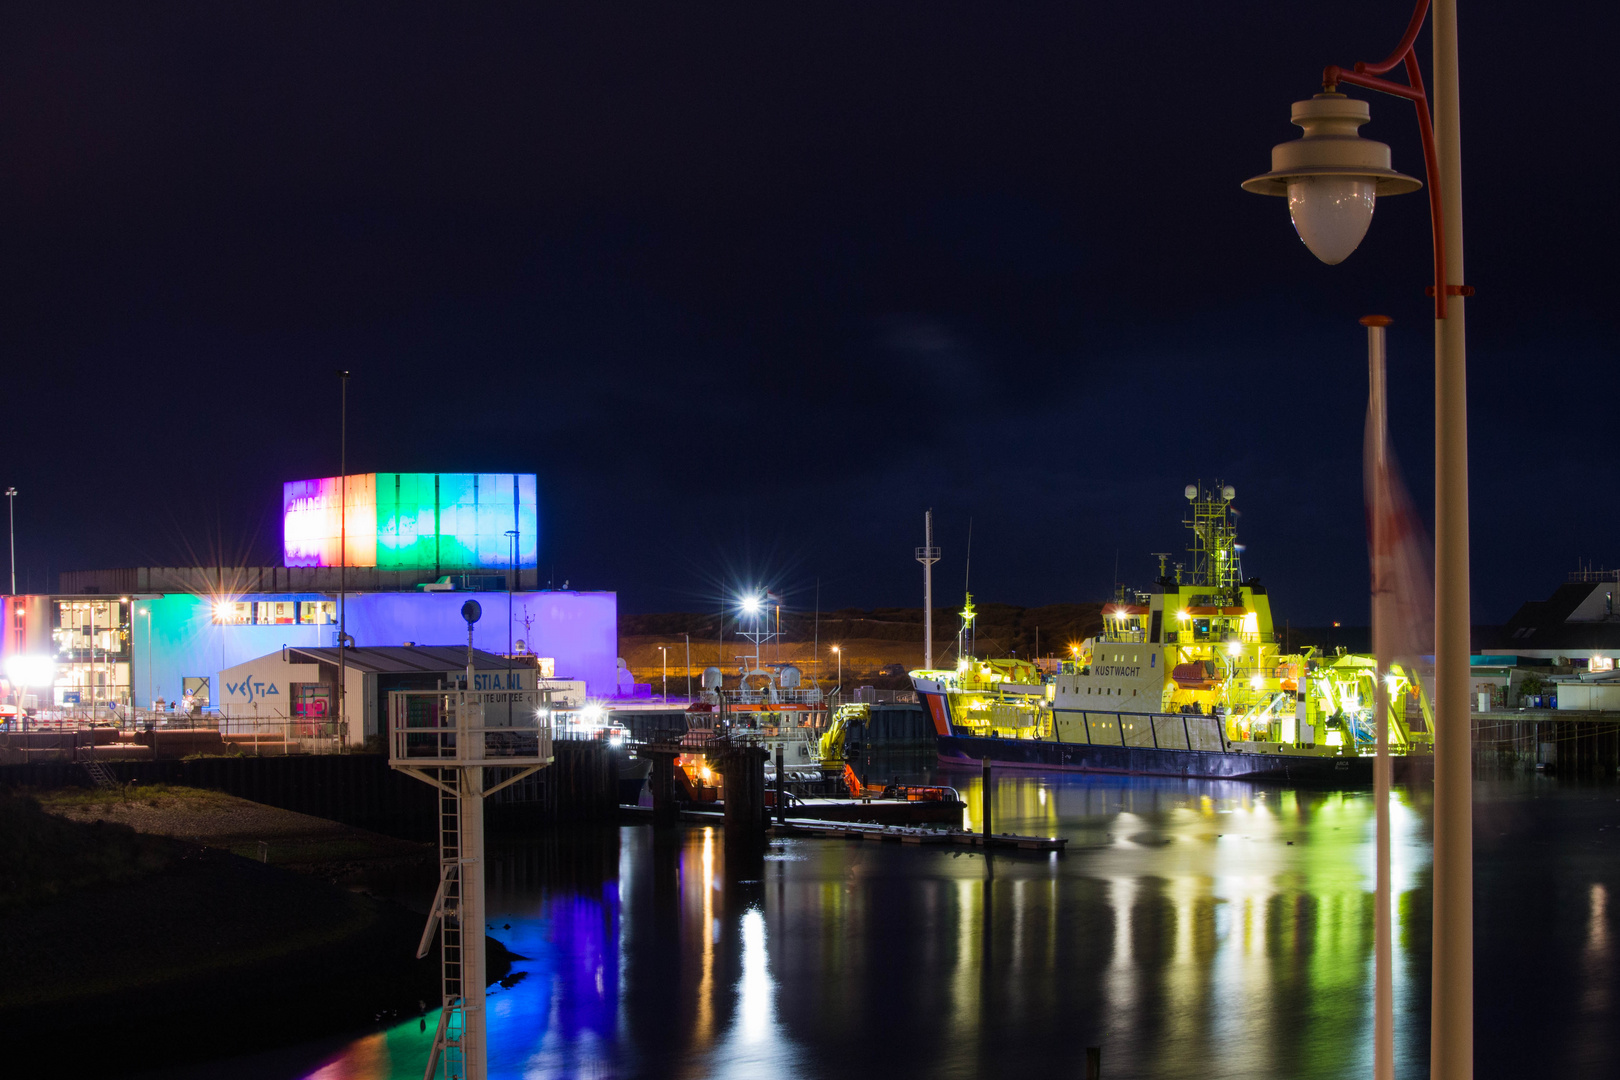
[(1257, 682), (754, 990), (224, 610), (30, 670), (750, 604), (1234, 648), (1331, 213)]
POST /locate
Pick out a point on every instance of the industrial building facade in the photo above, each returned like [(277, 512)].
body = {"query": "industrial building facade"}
[(419, 546)]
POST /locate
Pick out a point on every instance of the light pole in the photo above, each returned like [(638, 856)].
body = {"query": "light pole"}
[(11, 515), (840, 654), (150, 692), (1332, 178), (343, 555), (688, 638), (664, 649)]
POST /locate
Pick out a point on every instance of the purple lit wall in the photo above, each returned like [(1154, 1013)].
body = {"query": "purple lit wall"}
[(579, 629)]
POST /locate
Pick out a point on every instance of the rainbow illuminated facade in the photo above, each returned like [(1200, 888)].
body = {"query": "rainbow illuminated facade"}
[(412, 521)]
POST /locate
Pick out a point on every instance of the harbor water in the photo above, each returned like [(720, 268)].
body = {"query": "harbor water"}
[(1192, 929)]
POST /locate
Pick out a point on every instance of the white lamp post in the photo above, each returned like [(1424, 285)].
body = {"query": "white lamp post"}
[(11, 528), (152, 694), (1332, 178), (839, 653)]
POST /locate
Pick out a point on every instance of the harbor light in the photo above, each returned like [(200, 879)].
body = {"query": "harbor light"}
[(750, 604), (30, 670), (1234, 648), (1331, 176), (1183, 615)]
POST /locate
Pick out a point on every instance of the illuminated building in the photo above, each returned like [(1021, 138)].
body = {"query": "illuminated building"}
[(419, 545)]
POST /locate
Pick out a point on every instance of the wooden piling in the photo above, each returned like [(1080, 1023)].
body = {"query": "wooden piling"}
[(984, 798), (781, 788)]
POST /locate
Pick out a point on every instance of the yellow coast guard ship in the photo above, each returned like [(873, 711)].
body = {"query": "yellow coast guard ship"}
[(1186, 679)]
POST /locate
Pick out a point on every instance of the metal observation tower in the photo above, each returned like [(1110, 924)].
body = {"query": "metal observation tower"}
[(448, 738)]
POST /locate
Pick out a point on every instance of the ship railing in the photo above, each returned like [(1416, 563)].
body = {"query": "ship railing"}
[(806, 696)]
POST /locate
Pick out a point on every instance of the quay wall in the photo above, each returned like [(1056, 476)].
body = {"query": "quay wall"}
[(580, 786), (1571, 744)]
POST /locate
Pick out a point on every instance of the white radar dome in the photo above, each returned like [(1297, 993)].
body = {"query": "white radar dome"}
[(789, 678), (711, 678), (1228, 492), (1191, 491)]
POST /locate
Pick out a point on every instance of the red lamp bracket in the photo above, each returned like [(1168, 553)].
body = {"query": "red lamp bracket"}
[(1366, 75)]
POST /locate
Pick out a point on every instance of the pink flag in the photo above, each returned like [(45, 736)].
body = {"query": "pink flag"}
[(1398, 546)]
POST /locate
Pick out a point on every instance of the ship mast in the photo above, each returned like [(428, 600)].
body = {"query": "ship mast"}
[(928, 555), (1215, 561)]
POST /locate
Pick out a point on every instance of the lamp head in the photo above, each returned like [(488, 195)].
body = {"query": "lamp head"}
[(1331, 176), (750, 604)]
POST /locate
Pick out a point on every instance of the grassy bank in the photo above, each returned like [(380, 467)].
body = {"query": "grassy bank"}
[(125, 950)]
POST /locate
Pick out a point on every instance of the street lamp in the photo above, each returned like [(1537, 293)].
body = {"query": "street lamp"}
[(11, 528), (664, 649), (152, 693), (1332, 177), (839, 653)]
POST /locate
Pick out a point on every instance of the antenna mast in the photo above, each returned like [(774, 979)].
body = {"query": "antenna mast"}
[(928, 555)]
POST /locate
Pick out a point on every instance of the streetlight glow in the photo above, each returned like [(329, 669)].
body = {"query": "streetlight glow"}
[(750, 605)]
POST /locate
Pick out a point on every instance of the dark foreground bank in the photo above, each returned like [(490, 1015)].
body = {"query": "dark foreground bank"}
[(124, 951)]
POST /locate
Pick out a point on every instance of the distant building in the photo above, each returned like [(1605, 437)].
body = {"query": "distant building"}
[(419, 545), (1577, 624), (1564, 646)]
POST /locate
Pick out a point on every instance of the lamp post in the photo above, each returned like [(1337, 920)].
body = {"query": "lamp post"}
[(840, 654), (343, 555), (664, 649), (688, 638), (11, 529), (148, 613), (1332, 178)]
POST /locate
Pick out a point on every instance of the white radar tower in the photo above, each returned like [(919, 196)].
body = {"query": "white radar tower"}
[(447, 738)]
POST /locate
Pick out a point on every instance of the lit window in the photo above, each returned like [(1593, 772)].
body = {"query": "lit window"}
[(233, 612), (273, 612), (317, 612)]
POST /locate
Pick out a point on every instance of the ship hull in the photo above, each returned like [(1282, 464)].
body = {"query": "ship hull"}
[(1051, 756)]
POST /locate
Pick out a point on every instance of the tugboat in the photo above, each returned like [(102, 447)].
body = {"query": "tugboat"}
[(1186, 679)]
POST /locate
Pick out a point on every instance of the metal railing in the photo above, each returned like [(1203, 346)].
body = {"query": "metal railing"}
[(510, 728)]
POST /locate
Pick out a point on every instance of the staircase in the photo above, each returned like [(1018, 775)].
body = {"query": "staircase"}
[(452, 1025), (99, 774)]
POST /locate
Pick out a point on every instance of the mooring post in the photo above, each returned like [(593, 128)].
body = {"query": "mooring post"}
[(984, 798), (1093, 1063), (781, 789)]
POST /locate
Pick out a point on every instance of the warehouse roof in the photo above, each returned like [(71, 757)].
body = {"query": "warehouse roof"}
[(405, 658)]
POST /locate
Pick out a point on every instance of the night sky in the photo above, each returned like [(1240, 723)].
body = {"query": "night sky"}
[(750, 288)]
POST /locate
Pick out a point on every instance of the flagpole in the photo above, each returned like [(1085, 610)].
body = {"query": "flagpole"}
[(1380, 518)]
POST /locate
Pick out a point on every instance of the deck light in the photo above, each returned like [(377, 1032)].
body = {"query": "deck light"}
[(1331, 175)]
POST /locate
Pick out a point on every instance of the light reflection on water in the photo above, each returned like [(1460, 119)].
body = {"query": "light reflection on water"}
[(1193, 929)]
